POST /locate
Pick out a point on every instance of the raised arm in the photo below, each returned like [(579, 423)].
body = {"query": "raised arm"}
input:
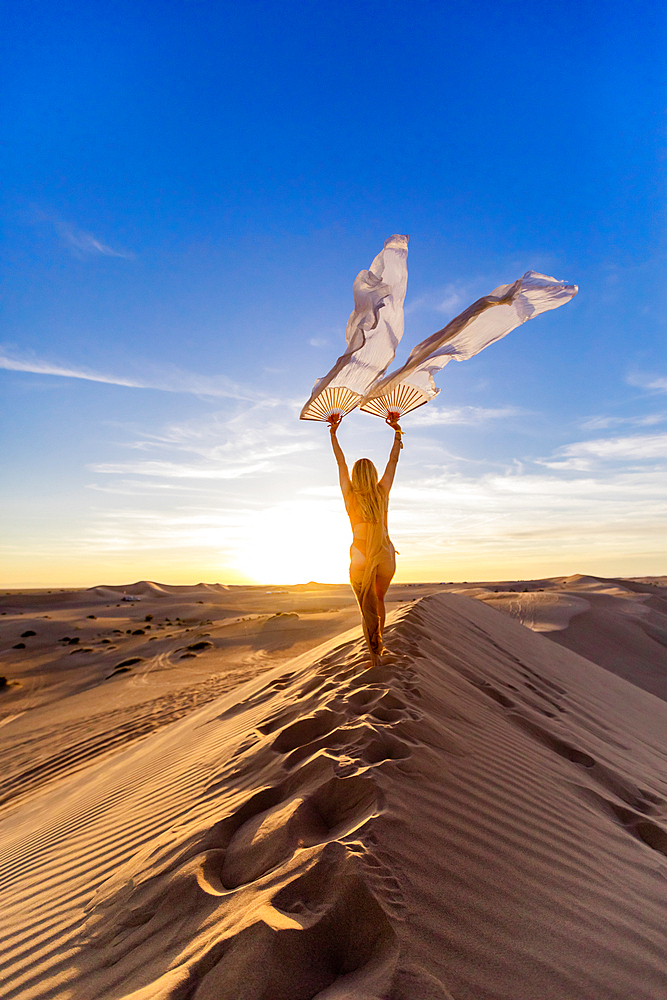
[(389, 473), (343, 474)]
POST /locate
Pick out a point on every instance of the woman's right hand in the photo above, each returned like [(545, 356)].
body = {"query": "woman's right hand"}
[(393, 423), (334, 422)]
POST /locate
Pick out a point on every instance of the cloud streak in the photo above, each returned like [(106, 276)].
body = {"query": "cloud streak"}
[(165, 380), (654, 383), (177, 470), (603, 423), (39, 367), (472, 415), (82, 244), (636, 448), (448, 524), (442, 300), (216, 448)]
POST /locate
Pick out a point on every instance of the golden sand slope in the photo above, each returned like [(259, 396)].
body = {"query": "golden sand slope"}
[(619, 624), (96, 673), (483, 817)]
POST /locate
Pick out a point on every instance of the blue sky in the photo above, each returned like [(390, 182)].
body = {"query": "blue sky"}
[(189, 189)]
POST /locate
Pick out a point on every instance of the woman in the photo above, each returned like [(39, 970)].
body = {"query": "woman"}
[(372, 555)]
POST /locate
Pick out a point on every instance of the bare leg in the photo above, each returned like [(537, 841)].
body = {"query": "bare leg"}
[(356, 586), (385, 574)]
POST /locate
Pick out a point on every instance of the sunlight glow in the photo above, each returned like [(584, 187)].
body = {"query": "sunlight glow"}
[(296, 543)]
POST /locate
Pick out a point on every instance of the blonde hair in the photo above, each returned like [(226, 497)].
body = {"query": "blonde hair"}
[(367, 491)]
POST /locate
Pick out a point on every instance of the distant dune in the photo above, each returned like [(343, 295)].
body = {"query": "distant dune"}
[(146, 588), (209, 795), (619, 624)]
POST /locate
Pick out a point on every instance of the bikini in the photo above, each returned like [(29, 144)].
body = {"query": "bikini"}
[(359, 534)]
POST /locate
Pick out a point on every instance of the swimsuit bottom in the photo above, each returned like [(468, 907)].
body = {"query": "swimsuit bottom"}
[(358, 558)]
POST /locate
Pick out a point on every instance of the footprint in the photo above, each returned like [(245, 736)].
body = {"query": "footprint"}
[(553, 743), (648, 832), (497, 696), (639, 799), (389, 716), (384, 747), (384, 884), (543, 698), (265, 841), (308, 897), (129, 662), (306, 730), (376, 701), (337, 660), (313, 684), (381, 675), (652, 835), (543, 681), (208, 873), (391, 701), (353, 749), (342, 943), (249, 742), (360, 700), (277, 720), (331, 741), (337, 808)]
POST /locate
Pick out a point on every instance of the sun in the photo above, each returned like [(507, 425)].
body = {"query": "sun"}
[(296, 542)]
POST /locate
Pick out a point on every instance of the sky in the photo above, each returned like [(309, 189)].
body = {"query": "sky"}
[(187, 191)]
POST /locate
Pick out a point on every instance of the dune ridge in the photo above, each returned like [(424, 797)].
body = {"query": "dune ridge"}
[(484, 816), (619, 624)]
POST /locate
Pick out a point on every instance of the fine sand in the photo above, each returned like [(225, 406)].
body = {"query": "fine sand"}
[(211, 796)]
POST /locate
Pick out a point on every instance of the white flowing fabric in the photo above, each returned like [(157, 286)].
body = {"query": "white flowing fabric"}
[(373, 333), (485, 321)]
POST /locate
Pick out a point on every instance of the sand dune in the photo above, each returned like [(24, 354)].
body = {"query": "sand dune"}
[(95, 675), (482, 817), (619, 624)]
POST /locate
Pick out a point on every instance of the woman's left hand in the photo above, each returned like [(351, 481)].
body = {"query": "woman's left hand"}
[(393, 422)]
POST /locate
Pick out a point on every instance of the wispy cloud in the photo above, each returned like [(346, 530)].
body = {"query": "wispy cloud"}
[(604, 423), (223, 448), (185, 527), (451, 298), (433, 415), (654, 383), (153, 488), (635, 448), (249, 485), (178, 470), (443, 300), (616, 512), (38, 367), (441, 521), (84, 244), (79, 242), (165, 379)]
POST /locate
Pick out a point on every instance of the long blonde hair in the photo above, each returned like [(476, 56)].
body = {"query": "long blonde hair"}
[(367, 491)]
